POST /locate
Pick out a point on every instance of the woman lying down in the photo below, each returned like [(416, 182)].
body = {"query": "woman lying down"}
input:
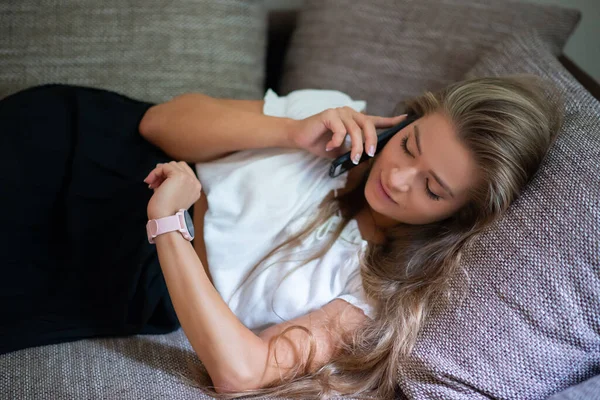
[(286, 281)]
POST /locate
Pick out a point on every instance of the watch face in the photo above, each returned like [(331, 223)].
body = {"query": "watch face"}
[(189, 223)]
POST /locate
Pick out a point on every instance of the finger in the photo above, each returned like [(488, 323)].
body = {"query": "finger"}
[(154, 172), (177, 166), (370, 134), (386, 122), (149, 177), (194, 182), (356, 136), (187, 169), (165, 171), (334, 123), (339, 136), (152, 176), (184, 169), (156, 183), (157, 176)]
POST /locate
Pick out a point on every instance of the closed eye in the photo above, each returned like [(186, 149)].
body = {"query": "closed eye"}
[(431, 195), (428, 191), (405, 146)]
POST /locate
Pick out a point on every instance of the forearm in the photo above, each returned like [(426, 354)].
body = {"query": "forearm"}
[(229, 351), (198, 128)]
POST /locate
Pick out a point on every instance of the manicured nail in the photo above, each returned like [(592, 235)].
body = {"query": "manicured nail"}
[(356, 159), (371, 151), (328, 148), (149, 186)]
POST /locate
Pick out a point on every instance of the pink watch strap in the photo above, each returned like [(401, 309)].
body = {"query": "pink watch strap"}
[(168, 224), (159, 226)]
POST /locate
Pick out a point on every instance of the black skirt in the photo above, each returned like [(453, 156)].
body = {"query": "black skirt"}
[(76, 262)]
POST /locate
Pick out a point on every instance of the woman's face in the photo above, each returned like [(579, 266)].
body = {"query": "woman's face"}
[(422, 175)]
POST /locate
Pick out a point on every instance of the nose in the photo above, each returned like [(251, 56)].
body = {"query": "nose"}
[(402, 178)]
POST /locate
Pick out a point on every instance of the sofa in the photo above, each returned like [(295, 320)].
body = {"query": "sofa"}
[(529, 325)]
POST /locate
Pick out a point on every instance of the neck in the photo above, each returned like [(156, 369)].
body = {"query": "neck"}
[(370, 228)]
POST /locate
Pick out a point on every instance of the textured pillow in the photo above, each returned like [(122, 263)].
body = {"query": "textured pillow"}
[(587, 390), (385, 51), (529, 325), (147, 49)]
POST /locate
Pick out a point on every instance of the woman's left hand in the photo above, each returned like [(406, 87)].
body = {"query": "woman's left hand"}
[(323, 134), (175, 187)]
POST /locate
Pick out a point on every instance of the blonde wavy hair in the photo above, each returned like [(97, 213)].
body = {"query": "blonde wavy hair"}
[(508, 124)]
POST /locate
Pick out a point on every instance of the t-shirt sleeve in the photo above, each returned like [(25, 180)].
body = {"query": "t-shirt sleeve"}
[(304, 103), (354, 294)]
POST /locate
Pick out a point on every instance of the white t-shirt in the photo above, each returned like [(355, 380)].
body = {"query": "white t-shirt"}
[(256, 200)]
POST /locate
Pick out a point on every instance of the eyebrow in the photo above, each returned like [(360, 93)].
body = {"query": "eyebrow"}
[(437, 178)]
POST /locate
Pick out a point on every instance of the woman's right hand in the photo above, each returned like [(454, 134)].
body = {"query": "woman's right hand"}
[(323, 134), (175, 187)]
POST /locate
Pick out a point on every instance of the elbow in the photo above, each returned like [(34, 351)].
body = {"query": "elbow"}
[(237, 381), (244, 374), (149, 122), (158, 117)]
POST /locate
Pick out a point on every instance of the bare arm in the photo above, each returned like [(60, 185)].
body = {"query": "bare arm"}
[(200, 209), (199, 128), (255, 106), (235, 357)]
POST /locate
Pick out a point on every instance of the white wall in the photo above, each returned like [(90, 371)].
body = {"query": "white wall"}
[(583, 47)]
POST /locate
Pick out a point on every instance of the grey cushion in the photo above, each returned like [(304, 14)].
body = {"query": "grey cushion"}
[(148, 49), (529, 326), (141, 367), (384, 51), (588, 390)]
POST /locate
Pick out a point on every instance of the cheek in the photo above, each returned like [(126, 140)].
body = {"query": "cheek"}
[(391, 154), (369, 191), (419, 210), (373, 196), (427, 212), (415, 211)]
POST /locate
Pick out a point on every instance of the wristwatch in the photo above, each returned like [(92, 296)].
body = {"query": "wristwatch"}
[(181, 221)]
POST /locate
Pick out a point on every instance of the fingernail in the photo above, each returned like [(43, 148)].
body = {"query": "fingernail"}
[(328, 148), (149, 186), (371, 151), (356, 159)]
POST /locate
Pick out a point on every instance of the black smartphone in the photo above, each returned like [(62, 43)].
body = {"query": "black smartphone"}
[(343, 163)]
